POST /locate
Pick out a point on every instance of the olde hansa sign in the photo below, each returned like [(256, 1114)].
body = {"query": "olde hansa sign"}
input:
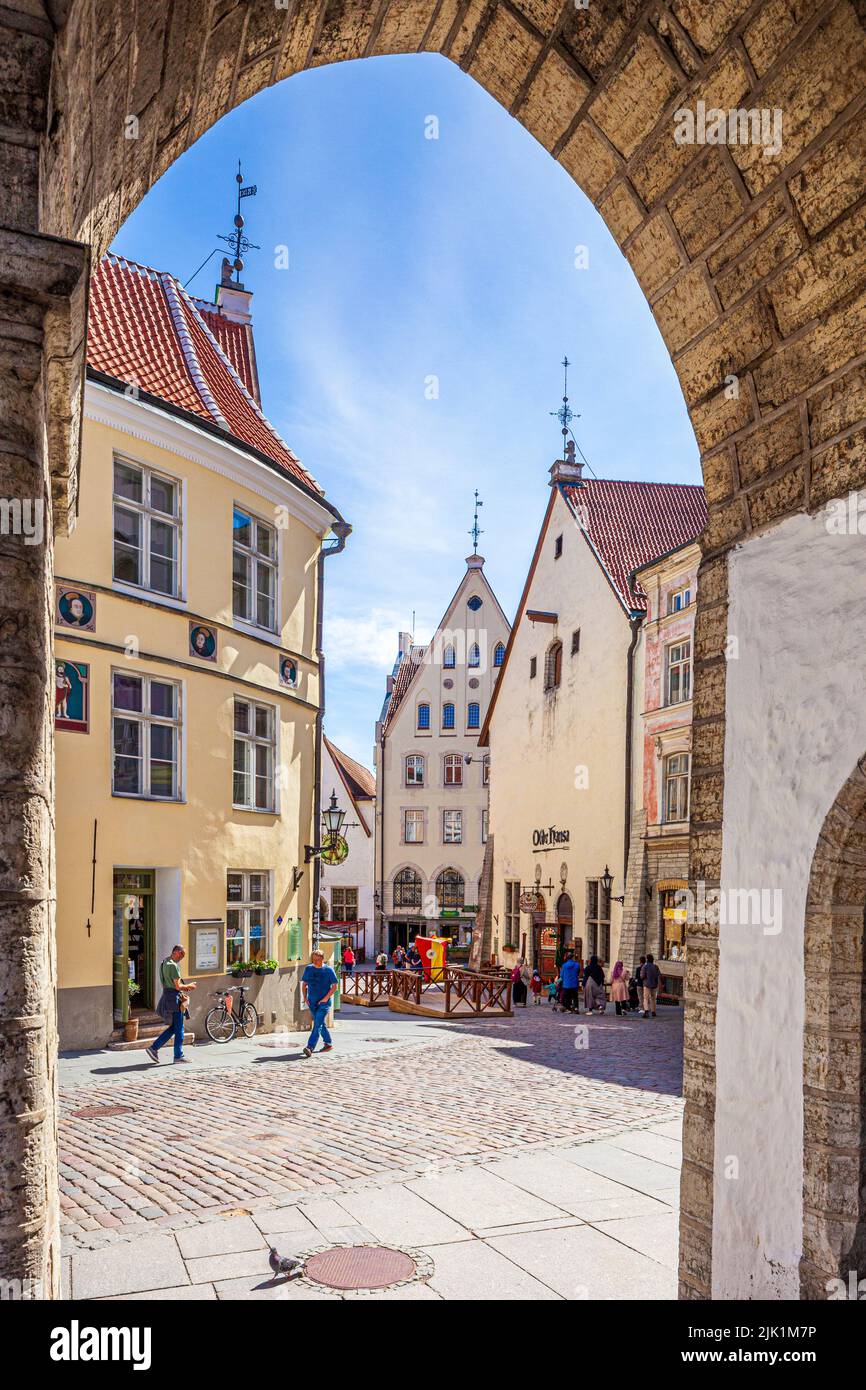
[(549, 838)]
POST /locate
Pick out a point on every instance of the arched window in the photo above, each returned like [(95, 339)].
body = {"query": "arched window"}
[(407, 888), (450, 889), (553, 666), (475, 655), (499, 654), (448, 716), (449, 657), (424, 716), (415, 770), (473, 715)]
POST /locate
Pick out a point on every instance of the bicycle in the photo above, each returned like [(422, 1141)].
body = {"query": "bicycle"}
[(223, 1020)]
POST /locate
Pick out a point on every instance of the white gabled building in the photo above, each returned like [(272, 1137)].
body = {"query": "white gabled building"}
[(559, 722), (346, 889), (431, 777)]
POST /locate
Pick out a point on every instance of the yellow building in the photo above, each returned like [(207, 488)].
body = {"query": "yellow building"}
[(187, 648)]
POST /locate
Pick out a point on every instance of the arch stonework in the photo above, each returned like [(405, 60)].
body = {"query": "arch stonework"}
[(755, 270), (834, 1048)]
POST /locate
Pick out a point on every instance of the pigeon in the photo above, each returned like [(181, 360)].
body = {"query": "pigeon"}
[(284, 1264)]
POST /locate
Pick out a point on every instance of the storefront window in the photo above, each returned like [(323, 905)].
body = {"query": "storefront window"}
[(246, 916)]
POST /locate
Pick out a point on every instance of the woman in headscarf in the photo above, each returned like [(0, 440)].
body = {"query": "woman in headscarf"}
[(619, 990), (593, 990), (518, 983)]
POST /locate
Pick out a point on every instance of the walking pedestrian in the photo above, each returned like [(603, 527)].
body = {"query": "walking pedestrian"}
[(593, 990), (382, 961), (348, 959), (535, 985), (172, 1005), (570, 972), (635, 987), (553, 987), (399, 957), (650, 974), (619, 990), (518, 984), (318, 986)]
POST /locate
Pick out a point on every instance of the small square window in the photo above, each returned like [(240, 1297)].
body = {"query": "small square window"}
[(533, 667)]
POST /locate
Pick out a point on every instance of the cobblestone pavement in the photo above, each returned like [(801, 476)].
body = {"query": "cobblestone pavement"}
[(146, 1147)]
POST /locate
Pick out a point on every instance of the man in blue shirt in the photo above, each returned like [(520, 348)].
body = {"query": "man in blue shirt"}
[(570, 972), (318, 986)]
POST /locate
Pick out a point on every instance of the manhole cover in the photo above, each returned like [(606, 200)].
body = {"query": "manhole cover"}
[(100, 1112), (359, 1267)]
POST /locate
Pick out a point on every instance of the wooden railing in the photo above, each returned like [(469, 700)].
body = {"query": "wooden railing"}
[(365, 985), (462, 989)]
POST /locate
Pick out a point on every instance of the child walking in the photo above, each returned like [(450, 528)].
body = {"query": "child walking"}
[(536, 985)]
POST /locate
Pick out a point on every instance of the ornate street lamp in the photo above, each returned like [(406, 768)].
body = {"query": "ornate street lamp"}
[(607, 884), (333, 817)]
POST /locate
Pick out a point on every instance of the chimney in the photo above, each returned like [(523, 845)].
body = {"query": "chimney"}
[(567, 470), (234, 302), (405, 643)]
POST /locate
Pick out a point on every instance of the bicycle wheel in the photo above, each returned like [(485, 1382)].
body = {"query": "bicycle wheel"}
[(220, 1025), (249, 1020)]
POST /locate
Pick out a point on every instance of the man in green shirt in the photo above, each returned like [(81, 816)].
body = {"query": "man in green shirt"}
[(171, 1006)]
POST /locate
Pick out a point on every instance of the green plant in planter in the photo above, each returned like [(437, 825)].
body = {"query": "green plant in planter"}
[(133, 989)]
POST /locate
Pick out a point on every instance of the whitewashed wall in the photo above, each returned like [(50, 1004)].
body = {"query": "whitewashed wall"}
[(796, 725)]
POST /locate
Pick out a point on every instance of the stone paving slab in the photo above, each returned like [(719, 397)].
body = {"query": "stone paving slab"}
[(406, 1220), (286, 1291), (632, 1170), (475, 1270), (153, 1263), (226, 1237), (657, 1147), (197, 1293), (580, 1262), (475, 1198), (654, 1236), (283, 1221)]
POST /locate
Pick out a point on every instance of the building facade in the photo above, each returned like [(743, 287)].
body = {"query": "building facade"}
[(432, 779), (347, 885), (654, 917), (187, 667), (557, 727)]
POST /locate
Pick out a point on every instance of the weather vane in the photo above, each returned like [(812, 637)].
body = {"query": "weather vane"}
[(476, 529), (565, 414), (237, 240)]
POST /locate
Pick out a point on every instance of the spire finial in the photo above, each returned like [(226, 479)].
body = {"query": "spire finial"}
[(476, 529), (237, 240), (565, 414)]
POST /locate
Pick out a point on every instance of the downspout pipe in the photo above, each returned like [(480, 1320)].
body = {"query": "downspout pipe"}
[(382, 780), (635, 619), (341, 532)]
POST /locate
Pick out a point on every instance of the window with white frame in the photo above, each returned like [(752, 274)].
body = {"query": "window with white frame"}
[(453, 769), (474, 655), (449, 657), (413, 827), (679, 673), (485, 824), (145, 734), (254, 570), (255, 756), (246, 916), (452, 827), (415, 770), (146, 528), (676, 787), (597, 919), (679, 599), (485, 770)]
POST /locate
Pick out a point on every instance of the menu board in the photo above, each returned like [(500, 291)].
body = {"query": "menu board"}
[(206, 943)]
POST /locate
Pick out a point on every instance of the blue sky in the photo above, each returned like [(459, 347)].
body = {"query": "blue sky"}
[(411, 258)]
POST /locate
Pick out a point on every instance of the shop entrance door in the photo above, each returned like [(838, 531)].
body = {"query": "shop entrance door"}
[(133, 941)]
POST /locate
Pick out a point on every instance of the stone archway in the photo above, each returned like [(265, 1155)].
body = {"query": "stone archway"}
[(834, 1049), (754, 268)]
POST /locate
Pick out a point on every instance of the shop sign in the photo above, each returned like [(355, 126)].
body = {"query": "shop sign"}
[(531, 902), (546, 839)]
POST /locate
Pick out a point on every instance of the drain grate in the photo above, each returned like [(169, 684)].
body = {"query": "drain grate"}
[(359, 1267), (101, 1112)]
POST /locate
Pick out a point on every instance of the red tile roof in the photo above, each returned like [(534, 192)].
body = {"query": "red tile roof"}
[(147, 331), (363, 783), (236, 341), (630, 523), (409, 664)]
